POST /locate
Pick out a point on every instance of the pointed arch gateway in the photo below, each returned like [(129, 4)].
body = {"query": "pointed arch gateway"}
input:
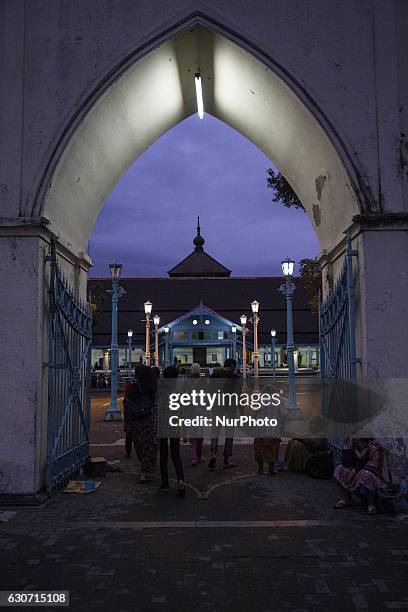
[(153, 90)]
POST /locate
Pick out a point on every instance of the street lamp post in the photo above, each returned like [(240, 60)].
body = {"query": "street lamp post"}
[(234, 341), (130, 335), (255, 318), (156, 321), (273, 335), (244, 356), (148, 311), (288, 289), (166, 347), (113, 413)]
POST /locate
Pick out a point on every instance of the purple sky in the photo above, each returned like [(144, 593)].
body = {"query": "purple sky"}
[(198, 168)]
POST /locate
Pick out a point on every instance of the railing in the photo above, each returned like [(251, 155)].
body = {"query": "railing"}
[(338, 350), (70, 337)]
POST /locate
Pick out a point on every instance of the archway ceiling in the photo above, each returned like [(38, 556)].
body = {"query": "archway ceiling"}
[(158, 92)]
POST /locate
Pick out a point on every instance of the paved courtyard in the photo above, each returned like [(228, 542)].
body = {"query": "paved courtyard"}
[(238, 541)]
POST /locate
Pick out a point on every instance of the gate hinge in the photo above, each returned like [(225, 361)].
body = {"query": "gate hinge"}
[(48, 364), (357, 360)]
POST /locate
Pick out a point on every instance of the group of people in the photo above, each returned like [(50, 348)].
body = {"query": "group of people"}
[(363, 471), (142, 429)]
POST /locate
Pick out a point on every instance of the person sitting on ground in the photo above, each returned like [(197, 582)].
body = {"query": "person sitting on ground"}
[(227, 372), (300, 450), (364, 472), (163, 406)]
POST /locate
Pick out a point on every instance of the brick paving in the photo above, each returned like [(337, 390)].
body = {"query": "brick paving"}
[(239, 541)]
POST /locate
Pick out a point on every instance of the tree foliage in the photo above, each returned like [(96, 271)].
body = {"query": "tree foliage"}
[(311, 277), (282, 191), (97, 299)]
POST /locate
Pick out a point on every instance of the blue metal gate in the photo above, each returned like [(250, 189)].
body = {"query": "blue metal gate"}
[(69, 361), (338, 348)]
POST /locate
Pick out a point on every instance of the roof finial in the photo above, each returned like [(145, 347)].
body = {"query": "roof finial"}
[(198, 240)]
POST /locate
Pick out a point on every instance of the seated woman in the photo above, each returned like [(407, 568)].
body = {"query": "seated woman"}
[(300, 450), (364, 471)]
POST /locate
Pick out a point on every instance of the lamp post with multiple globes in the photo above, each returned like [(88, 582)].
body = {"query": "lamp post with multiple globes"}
[(255, 319), (130, 336), (244, 355), (288, 289), (148, 311), (273, 335), (156, 321), (166, 346), (114, 413), (234, 341)]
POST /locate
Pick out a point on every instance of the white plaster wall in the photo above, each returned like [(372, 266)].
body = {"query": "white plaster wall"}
[(343, 53), (383, 299), (347, 57), (24, 311), (22, 426), (157, 92)]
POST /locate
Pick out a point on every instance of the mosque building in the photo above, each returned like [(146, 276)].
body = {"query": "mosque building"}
[(200, 306)]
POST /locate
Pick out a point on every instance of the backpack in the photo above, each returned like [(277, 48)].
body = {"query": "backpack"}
[(136, 405)]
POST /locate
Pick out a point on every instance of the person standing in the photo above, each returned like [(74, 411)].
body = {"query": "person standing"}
[(267, 450), (196, 441), (139, 409), (174, 442), (227, 372)]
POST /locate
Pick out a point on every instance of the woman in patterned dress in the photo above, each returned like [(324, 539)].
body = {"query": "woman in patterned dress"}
[(364, 471), (142, 430)]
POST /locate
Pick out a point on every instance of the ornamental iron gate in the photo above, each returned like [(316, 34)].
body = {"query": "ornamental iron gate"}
[(69, 366), (338, 352)]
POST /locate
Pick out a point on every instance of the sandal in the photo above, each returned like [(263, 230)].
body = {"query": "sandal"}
[(227, 466), (372, 510), (341, 504)]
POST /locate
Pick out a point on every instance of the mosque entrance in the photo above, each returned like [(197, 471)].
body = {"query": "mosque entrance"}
[(119, 108), (200, 355)]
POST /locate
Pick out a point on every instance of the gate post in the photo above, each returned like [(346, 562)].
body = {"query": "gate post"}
[(24, 316), (350, 253)]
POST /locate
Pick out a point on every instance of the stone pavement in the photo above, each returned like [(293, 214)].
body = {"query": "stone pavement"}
[(237, 542)]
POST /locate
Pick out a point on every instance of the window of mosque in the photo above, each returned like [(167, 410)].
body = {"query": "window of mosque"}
[(180, 335), (222, 335), (200, 335)]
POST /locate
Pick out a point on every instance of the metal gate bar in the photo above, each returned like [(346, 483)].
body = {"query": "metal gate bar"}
[(338, 347), (69, 366)]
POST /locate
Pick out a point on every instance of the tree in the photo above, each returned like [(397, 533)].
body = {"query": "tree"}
[(310, 270), (282, 191), (97, 299), (311, 277)]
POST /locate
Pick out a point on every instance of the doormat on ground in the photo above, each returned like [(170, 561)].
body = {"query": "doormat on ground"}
[(82, 486)]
